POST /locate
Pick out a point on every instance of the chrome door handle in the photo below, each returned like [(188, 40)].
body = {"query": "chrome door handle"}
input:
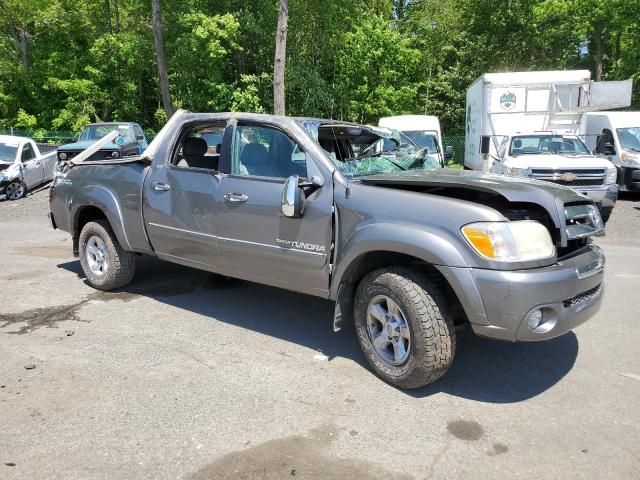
[(235, 197), (160, 187)]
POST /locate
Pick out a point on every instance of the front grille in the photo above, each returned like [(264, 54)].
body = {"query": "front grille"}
[(582, 298), (593, 177), (590, 171), (582, 221), (586, 182)]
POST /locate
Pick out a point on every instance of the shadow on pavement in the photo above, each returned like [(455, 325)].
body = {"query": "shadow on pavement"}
[(483, 370)]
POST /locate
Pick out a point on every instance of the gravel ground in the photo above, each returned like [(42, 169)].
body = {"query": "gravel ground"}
[(185, 375)]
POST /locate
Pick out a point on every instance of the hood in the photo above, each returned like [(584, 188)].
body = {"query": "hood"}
[(84, 144), (552, 198), (547, 161)]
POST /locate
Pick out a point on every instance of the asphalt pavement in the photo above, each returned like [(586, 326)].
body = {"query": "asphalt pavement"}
[(185, 375)]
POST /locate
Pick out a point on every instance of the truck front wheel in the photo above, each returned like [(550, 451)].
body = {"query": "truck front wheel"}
[(404, 327), (105, 263)]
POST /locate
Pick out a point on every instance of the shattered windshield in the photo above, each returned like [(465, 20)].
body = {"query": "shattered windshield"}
[(96, 132), (423, 138), (547, 144), (630, 138), (8, 152), (358, 150)]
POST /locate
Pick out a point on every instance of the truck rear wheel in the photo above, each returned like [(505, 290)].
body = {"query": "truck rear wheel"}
[(105, 263), (404, 327)]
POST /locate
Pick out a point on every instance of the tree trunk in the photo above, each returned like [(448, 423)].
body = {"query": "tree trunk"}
[(599, 54), (23, 41), (116, 11), (161, 59), (279, 64)]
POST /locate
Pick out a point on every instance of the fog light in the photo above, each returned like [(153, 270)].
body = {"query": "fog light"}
[(114, 154), (534, 319), (62, 156)]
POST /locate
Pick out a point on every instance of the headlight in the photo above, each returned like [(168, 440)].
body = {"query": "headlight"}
[(517, 172), (3, 177), (62, 156), (518, 241), (631, 159), (612, 174)]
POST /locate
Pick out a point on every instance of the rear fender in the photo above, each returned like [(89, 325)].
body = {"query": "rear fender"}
[(106, 201)]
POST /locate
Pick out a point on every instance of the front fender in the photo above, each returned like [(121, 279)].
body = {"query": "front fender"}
[(105, 200), (433, 247)]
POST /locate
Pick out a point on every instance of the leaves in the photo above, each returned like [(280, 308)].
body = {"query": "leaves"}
[(64, 63)]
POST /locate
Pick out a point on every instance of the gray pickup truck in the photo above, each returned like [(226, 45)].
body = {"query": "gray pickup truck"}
[(408, 252)]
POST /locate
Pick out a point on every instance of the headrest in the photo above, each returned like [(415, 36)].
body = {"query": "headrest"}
[(253, 154), (194, 146), (517, 143)]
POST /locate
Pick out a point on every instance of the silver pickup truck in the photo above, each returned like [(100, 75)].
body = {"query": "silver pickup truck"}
[(408, 252)]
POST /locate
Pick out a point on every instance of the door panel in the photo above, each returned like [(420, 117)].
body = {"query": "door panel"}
[(180, 210), (32, 168), (255, 238)]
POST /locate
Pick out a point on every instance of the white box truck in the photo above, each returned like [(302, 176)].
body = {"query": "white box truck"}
[(528, 124), (616, 137)]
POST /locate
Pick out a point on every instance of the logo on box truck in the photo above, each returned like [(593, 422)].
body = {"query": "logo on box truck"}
[(508, 100)]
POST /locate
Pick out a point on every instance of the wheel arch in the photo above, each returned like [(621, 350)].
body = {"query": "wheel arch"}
[(97, 204), (372, 260)]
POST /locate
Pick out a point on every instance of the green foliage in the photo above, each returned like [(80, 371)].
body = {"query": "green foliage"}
[(26, 121), (64, 63)]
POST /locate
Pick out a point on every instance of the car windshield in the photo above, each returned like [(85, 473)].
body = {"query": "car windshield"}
[(630, 138), (8, 152), (547, 144), (424, 139), (358, 150), (96, 132)]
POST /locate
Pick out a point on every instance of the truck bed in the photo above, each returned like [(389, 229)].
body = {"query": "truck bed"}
[(114, 186)]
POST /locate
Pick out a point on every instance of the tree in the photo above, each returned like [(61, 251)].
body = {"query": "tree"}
[(161, 58), (279, 64)]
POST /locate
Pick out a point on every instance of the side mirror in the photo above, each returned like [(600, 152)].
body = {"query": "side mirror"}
[(292, 201), (485, 144), (448, 152), (139, 137), (609, 149)]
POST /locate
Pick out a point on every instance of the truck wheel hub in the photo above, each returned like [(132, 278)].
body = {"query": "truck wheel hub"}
[(97, 256), (388, 330)]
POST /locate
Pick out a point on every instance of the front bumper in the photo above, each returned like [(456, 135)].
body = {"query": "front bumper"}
[(498, 302), (629, 178), (604, 197)]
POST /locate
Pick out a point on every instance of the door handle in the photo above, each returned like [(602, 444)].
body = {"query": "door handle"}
[(160, 187), (235, 197), (38, 164)]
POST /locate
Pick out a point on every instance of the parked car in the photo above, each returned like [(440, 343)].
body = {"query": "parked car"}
[(131, 141), (616, 137), (406, 251), (525, 124), (424, 130), (22, 166)]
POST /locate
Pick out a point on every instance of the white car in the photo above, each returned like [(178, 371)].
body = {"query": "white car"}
[(22, 166)]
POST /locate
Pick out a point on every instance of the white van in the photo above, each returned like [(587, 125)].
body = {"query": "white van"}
[(616, 136), (423, 130)]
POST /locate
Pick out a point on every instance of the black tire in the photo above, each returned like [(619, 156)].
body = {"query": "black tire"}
[(605, 213), (120, 263), (432, 332), (17, 186)]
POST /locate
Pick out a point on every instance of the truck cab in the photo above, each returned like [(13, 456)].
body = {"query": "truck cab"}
[(615, 136), (423, 130), (560, 159)]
